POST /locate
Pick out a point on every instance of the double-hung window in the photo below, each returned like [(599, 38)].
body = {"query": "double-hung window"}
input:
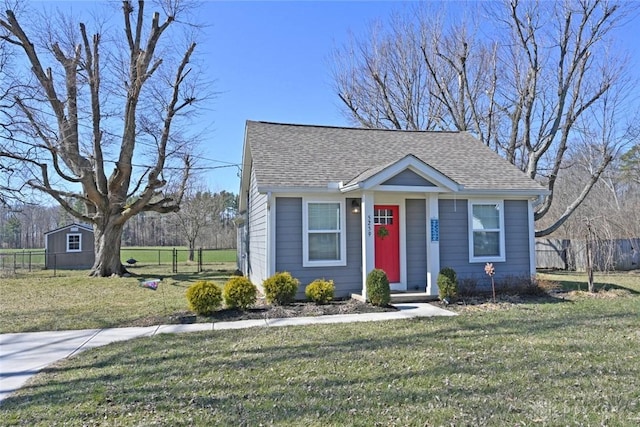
[(74, 243), (324, 241), (486, 231)]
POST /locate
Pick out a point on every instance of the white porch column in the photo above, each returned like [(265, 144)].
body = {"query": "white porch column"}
[(368, 239), (433, 244)]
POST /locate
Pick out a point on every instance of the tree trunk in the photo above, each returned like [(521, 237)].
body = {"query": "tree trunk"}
[(192, 247), (107, 249), (590, 258)]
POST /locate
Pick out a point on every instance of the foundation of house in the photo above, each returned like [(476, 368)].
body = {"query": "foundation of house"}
[(401, 297)]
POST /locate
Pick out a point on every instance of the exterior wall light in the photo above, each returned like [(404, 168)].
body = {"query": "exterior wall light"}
[(355, 206)]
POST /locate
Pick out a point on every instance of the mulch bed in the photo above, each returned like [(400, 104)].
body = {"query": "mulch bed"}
[(262, 310)]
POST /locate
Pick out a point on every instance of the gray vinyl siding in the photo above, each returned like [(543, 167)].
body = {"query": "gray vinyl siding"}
[(257, 234), (516, 223), (347, 279), (408, 178), (416, 220), (454, 242), (59, 257)]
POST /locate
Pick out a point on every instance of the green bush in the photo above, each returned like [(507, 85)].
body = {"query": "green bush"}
[(204, 297), (378, 290), (320, 291), (281, 288), (239, 292), (447, 284)]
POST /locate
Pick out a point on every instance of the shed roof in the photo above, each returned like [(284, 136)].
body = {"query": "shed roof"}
[(308, 156), (82, 226)]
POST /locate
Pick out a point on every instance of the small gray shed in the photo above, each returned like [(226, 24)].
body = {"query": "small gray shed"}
[(71, 246)]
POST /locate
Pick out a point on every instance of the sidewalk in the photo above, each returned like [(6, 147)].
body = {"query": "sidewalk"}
[(22, 355)]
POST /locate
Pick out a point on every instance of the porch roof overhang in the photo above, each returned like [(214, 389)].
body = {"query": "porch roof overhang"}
[(373, 178)]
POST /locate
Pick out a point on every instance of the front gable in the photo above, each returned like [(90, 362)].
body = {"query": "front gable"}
[(407, 174), (409, 178)]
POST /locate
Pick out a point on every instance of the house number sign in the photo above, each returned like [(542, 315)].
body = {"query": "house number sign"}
[(369, 226), (435, 230)]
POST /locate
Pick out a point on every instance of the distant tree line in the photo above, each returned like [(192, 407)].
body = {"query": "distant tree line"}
[(205, 220)]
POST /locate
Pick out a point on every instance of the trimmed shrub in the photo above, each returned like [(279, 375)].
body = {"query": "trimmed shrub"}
[(204, 297), (378, 290), (447, 284), (281, 288), (320, 291), (240, 293)]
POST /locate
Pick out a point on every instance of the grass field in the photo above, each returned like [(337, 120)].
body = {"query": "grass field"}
[(22, 260), (143, 254), (163, 255), (567, 360), (38, 301)]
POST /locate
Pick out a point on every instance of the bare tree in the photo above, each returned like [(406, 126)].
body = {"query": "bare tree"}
[(198, 211), (204, 214), (87, 101), (529, 87)]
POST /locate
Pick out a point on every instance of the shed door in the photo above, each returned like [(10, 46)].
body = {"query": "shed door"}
[(387, 240)]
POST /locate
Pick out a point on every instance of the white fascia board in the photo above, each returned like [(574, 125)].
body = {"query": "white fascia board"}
[(66, 227), (414, 164), (297, 190), (351, 187), (517, 193)]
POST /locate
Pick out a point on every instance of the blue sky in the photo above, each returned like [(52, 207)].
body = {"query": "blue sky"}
[(271, 61)]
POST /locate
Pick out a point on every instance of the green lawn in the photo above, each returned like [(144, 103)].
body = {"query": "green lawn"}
[(38, 301), (571, 360), (21, 259)]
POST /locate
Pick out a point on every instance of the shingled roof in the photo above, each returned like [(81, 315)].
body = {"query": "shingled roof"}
[(289, 156)]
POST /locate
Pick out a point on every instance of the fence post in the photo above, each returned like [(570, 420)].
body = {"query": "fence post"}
[(199, 260), (29, 261), (174, 260), (15, 259), (158, 256)]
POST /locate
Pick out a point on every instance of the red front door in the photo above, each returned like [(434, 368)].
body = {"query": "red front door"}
[(387, 231)]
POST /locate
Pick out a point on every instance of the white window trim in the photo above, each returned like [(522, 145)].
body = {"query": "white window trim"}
[(79, 242), (502, 256), (305, 234)]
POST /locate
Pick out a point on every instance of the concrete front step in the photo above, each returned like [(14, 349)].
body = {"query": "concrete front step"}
[(399, 297)]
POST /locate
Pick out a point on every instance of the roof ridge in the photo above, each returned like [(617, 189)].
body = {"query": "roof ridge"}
[(355, 128)]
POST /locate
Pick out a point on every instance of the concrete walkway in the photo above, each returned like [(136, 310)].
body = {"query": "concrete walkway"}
[(23, 355)]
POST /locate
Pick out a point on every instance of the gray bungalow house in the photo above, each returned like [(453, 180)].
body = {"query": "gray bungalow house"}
[(335, 203)]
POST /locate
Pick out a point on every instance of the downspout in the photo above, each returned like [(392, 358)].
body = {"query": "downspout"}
[(269, 241)]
